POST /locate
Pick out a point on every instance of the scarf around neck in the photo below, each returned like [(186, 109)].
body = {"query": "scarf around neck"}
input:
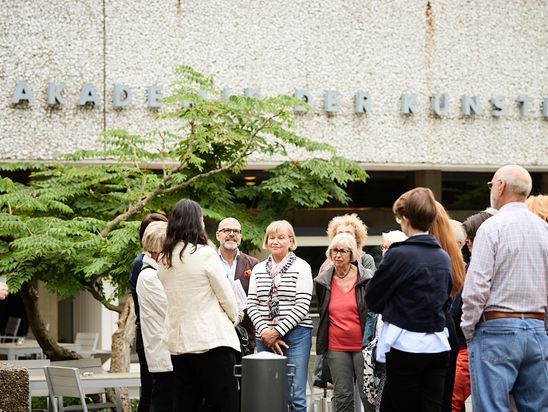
[(276, 270)]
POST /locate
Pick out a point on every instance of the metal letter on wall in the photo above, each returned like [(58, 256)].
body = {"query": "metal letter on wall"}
[(470, 105), (306, 97), (88, 95), (227, 93), (362, 102), (407, 105), (440, 108), (54, 94), (22, 93), (120, 101), (501, 108), (331, 103), (545, 108), (524, 105), (155, 95), (250, 92)]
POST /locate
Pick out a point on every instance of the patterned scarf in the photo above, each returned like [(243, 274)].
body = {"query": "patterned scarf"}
[(276, 271)]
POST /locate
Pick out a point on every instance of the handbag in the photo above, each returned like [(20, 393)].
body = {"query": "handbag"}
[(371, 373), (321, 375), (243, 337)]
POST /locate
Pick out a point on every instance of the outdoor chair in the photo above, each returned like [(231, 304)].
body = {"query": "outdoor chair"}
[(11, 329), (64, 381), (86, 343)]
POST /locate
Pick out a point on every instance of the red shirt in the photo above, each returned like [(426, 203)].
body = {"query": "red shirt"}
[(345, 331)]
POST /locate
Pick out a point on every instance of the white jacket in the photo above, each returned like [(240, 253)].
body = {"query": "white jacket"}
[(202, 306), (153, 306)]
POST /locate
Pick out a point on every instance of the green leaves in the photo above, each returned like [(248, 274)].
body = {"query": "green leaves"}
[(75, 225)]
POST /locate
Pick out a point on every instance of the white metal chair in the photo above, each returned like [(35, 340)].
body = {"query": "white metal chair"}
[(11, 329), (86, 343), (66, 382)]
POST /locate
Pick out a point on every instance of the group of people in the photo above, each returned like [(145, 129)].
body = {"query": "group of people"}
[(429, 330)]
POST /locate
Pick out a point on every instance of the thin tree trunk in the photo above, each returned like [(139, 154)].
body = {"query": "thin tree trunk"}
[(122, 340), (49, 345)]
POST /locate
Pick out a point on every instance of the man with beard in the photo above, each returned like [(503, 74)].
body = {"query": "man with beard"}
[(237, 264), (504, 300)]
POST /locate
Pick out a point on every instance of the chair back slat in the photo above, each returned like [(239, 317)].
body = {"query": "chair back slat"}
[(64, 382), (87, 342), (86, 365), (11, 329)]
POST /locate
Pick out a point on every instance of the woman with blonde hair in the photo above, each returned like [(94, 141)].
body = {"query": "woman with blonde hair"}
[(280, 291), (538, 205), (153, 306)]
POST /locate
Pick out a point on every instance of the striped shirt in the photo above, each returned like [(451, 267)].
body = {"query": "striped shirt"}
[(509, 266), (294, 294)]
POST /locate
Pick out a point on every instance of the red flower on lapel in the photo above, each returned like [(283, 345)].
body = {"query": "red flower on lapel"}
[(247, 273)]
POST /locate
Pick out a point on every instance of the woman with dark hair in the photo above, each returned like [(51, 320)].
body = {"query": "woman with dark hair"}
[(201, 312), (410, 289)]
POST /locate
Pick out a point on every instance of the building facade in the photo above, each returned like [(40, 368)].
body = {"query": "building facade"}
[(437, 93)]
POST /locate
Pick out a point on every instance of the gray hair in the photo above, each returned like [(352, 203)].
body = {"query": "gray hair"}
[(347, 240), (458, 231), (394, 236), (517, 178)]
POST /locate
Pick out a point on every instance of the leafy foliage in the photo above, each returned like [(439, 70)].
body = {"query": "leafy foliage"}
[(75, 225)]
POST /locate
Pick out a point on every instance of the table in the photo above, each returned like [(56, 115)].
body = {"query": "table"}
[(116, 380), (13, 349)]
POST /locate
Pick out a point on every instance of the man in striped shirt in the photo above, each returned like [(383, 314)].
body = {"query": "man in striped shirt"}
[(504, 300)]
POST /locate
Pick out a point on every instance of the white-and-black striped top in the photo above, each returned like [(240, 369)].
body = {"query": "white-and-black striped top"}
[(294, 295)]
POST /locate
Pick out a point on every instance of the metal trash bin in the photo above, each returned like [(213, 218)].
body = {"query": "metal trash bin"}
[(264, 378)]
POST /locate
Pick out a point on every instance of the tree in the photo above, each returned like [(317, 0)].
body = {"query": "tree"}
[(74, 225)]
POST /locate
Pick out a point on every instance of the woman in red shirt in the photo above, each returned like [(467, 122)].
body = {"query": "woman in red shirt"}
[(341, 301)]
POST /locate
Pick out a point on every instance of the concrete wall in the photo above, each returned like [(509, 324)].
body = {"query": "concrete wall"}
[(386, 48)]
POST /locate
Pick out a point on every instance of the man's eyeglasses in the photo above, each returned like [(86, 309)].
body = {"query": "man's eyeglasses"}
[(229, 231), (490, 184), (343, 252)]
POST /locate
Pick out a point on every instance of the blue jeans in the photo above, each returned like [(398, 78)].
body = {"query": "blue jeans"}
[(299, 340), (509, 355)]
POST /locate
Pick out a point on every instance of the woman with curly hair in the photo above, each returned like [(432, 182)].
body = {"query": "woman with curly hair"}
[(353, 225)]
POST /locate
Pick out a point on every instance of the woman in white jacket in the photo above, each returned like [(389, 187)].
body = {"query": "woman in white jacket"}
[(153, 305), (201, 312)]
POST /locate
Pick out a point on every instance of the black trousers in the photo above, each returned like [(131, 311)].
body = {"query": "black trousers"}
[(414, 381), (163, 392), (205, 382), (146, 382)]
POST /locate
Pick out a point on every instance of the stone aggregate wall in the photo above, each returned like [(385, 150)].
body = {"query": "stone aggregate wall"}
[(385, 48), (14, 388)]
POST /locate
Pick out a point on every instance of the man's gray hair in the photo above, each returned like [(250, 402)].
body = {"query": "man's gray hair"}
[(517, 178)]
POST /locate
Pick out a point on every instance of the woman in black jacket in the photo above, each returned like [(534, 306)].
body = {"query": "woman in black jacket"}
[(411, 289)]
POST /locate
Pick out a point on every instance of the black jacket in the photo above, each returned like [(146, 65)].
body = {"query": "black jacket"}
[(323, 293), (412, 284)]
